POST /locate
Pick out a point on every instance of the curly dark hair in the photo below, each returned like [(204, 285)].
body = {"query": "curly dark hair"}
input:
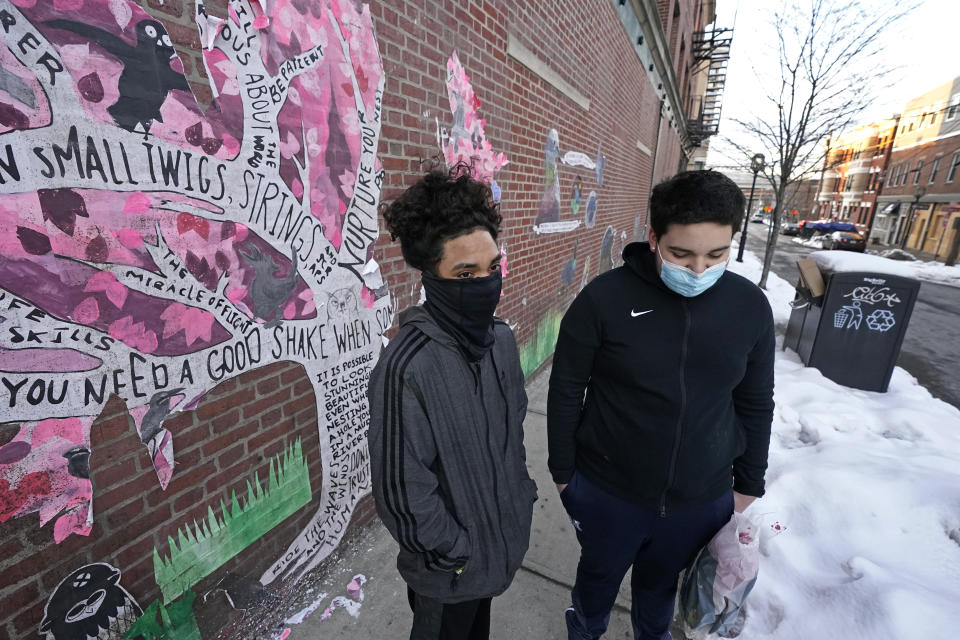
[(441, 206), (696, 196)]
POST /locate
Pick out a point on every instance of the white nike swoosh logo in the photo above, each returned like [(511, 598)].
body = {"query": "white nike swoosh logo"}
[(634, 314)]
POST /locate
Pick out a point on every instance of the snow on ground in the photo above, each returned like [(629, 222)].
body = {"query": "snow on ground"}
[(867, 488), (935, 272), (919, 269), (814, 242)]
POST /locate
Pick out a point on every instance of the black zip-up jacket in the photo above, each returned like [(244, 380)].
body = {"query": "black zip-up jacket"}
[(447, 460), (679, 391)]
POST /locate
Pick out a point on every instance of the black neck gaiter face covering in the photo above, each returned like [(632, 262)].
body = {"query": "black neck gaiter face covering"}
[(463, 307)]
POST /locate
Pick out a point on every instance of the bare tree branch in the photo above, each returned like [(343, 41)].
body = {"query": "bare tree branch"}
[(830, 66)]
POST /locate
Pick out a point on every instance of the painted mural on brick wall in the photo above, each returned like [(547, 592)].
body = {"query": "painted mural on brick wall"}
[(465, 140), (90, 603), (152, 250), (550, 218)]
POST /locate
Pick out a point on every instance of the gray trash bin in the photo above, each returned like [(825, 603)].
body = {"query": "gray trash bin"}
[(853, 333)]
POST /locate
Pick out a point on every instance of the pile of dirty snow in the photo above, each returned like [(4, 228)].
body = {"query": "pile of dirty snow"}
[(861, 518)]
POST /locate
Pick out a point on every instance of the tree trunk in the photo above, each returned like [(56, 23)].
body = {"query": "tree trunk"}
[(772, 238)]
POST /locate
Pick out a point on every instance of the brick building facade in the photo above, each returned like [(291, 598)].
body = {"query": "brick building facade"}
[(853, 172), (897, 178), (922, 190), (608, 83)]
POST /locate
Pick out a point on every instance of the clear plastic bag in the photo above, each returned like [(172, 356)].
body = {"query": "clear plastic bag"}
[(715, 587)]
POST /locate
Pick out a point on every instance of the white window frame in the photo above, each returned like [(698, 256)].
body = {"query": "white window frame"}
[(953, 107), (954, 162), (933, 169)]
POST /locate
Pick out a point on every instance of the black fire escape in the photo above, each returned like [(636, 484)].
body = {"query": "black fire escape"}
[(711, 51)]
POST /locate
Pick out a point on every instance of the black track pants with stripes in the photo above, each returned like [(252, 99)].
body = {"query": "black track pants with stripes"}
[(434, 620)]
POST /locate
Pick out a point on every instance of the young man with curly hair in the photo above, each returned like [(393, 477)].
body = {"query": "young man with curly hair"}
[(447, 404), (660, 405)]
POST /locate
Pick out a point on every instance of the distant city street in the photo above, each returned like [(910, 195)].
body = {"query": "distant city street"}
[(931, 347)]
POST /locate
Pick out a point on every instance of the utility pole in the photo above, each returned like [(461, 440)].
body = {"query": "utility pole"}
[(756, 165)]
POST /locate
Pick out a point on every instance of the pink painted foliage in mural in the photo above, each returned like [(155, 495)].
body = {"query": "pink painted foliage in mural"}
[(40, 471), (321, 135), (465, 140), (23, 104), (97, 257), (151, 248), (96, 70)]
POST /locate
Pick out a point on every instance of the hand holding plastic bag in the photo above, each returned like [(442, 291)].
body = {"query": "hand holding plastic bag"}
[(715, 587)]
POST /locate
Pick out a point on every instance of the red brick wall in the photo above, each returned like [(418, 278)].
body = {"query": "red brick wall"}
[(245, 421), (234, 432), (581, 40)]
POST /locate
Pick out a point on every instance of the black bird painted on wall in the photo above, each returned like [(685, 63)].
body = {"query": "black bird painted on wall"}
[(78, 461), (152, 424), (146, 78), (268, 290)]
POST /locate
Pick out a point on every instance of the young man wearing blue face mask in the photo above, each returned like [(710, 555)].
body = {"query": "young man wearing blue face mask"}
[(660, 405), (447, 404)]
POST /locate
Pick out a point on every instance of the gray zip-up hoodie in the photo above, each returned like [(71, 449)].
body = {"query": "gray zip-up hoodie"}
[(447, 460)]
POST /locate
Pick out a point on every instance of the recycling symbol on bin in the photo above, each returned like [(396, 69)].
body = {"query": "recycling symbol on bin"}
[(881, 320)]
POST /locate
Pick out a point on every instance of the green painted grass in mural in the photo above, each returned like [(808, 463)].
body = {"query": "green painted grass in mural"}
[(176, 622), (536, 351), (199, 552)]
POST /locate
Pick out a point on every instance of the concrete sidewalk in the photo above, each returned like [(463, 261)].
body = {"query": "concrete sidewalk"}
[(531, 609)]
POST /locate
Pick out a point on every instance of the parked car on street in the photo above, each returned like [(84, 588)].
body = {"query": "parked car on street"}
[(790, 229), (846, 240), (757, 217)]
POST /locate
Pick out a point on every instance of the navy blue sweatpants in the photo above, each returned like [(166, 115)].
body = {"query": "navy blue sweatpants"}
[(615, 534)]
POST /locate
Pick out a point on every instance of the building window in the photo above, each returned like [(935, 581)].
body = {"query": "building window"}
[(916, 175), (953, 166), (903, 175), (933, 169), (954, 107)]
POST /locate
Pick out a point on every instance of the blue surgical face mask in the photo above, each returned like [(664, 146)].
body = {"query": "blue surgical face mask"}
[(688, 282)]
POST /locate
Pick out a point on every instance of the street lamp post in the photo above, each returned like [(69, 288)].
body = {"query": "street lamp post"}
[(756, 165), (918, 193)]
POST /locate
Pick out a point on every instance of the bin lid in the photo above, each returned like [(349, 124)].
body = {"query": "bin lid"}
[(847, 261)]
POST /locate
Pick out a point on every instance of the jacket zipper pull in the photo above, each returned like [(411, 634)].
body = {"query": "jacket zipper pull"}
[(454, 582), (663, 508)]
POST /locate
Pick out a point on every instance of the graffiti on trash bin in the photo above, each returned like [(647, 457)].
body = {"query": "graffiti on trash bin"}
[(874, 295)]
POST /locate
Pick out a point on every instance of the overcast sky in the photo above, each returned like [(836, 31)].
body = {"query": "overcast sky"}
[(925, 45)]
